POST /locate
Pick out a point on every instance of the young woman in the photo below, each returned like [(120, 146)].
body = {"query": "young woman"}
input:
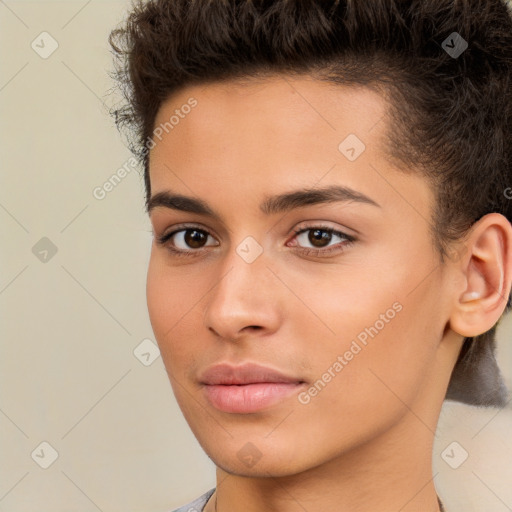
[(328, 185)]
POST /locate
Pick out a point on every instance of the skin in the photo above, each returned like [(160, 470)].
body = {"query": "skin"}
[(363, 443)]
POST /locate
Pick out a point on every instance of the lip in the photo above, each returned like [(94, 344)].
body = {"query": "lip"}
[(246, 388), (249, 373)]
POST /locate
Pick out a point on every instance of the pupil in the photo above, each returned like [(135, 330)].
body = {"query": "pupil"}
[(193, 238), (319, 235)]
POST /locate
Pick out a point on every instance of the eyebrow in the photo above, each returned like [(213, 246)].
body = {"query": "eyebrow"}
[(271, 205)]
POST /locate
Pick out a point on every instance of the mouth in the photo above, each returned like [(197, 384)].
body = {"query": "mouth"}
[(248, 388)]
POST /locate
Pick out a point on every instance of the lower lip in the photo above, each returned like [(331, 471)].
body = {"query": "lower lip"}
[(249, 397)]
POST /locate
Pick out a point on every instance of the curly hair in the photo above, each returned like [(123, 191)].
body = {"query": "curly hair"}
[(450, 114)]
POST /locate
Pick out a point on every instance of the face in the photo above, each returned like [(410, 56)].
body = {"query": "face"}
[(340, 292)]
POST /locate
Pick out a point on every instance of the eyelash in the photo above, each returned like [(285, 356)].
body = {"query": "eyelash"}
[(339, 247)]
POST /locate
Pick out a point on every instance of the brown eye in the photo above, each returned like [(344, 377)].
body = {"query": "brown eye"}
[(186, 240), (317, 241), (195, 238), (319, 237)]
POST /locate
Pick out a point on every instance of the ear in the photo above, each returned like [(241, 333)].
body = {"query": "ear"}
[(487, 274)]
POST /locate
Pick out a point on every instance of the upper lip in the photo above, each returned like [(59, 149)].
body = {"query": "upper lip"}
[(225, 374)]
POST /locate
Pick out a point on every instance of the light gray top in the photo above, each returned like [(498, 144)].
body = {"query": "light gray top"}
[(198, 504)]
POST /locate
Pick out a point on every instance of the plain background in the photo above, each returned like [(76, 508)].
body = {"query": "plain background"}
[(73, 305)]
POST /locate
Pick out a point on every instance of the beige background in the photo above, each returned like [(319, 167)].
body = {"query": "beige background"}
[(70, 323)]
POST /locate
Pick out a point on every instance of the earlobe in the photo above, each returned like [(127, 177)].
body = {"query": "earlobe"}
[(487, 269)]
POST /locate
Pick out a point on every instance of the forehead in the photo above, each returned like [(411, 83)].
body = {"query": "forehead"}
[(301, 107), (273, 122)]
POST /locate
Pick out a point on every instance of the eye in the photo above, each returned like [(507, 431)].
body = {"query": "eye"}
[(186, 240), (320, 238)]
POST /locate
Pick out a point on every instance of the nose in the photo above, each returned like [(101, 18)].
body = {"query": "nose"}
[(245, 300)]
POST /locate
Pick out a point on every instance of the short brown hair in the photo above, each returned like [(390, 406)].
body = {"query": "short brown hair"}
[(451, 115)]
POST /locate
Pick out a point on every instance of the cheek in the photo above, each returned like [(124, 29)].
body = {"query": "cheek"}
[(174, 319), (371, 387), (171, 292), (160, 302), (382, 334)]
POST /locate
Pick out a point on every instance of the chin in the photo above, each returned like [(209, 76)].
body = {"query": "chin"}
[(257, 458), (269, 468)]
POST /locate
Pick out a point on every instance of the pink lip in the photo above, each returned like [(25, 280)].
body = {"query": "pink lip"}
[(247, 388)]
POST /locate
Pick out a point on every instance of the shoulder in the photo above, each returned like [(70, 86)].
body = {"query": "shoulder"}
[(198, 504)]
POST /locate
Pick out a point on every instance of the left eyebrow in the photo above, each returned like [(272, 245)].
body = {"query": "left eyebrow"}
[(306, 197), (271, 205)]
